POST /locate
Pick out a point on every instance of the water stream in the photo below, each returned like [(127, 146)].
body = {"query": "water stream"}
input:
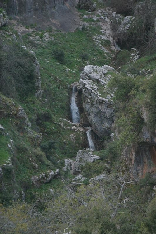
[(90, 141), (74, 108)]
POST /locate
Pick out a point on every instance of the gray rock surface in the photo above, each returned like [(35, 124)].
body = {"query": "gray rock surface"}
[(3, 18), (44, 177), (83, 156), (141, 158), (60, 14), (121, 26), (97, 100)]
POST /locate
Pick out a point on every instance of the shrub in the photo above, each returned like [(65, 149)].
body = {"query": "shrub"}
[(59, 56), (18, 76), (84, 56), (122, 58), (151, 217), (122, 85), (151, 91)]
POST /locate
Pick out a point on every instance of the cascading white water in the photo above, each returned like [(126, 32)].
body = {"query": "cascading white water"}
[(116, 46), (90, 141), (74, 108)]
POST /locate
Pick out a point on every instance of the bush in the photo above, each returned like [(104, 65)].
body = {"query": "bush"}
[(151, 92), (59, 56), (151, 217), (84, 56), (122, 85), (122, 58), (18, 76)]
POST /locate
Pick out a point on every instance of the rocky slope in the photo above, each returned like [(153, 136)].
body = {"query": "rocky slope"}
[(95, 175)]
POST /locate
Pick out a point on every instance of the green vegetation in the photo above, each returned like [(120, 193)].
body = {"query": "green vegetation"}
[(113, 203), (61, 61), (1, 10), (17, 72), (4, 152), (89, 208)]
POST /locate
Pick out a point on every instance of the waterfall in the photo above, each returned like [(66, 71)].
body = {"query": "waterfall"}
[(116, 46), (90, 141), (74, 108)]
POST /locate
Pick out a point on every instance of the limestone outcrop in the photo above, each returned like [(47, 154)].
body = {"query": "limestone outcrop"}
[(83, 157), (44, 177), (120, 27), (97, 100)]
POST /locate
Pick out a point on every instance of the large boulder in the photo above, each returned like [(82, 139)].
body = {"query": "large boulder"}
[(97, 100)]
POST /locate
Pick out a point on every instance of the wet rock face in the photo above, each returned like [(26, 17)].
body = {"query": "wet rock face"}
[(140, 160), (141, 157), (60, 14), (97, 100)]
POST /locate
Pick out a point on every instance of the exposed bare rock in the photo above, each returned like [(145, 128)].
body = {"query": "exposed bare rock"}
[(79, 178), (60, 14), (140, 160), (44, 177), (68, 165), (3, 18), (97, 100), (98, 178), (22, 115), (83, 156), (141, 157), (120, 26)]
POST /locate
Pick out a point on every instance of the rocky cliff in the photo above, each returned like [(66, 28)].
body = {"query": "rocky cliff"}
[(60, 14), (97, 100), (141, 156)]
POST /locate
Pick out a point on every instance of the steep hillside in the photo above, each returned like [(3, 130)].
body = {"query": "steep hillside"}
[(77, 118)]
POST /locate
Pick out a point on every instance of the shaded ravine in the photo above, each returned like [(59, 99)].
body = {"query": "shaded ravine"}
[(75, 114)]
